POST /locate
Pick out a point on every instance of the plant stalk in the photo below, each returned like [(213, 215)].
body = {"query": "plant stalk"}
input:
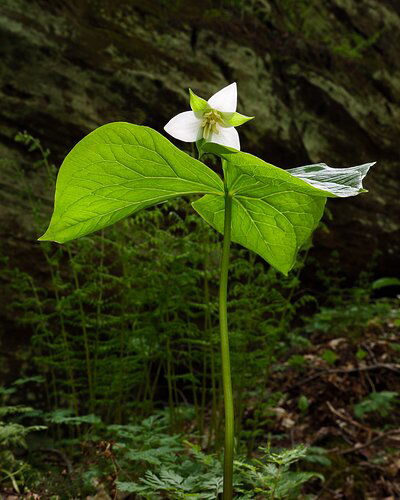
[(226, 365)]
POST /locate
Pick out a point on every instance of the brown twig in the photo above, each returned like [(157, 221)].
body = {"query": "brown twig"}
[(347, 418), (371, 441), (385, 366), (359, 447)]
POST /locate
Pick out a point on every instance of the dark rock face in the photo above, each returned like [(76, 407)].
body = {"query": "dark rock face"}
[(322, 79)]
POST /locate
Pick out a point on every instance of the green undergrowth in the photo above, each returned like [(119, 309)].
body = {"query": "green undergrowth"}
[(142, 459), (349, 311), (13, 437)]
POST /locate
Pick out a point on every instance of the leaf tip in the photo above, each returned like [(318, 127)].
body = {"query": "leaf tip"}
[(48, 236), (44, 237)]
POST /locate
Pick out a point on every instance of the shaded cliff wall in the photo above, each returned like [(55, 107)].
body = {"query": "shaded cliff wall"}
[(322, 79)]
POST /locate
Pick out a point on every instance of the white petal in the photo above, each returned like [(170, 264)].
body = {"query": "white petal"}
[(227, 136), (225, 99), (185, 127)]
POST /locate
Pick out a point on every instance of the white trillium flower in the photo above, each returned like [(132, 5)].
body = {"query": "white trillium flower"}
[(213, 120)]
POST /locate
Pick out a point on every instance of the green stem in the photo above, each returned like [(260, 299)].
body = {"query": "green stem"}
[(84, 332), (226, 365), (170, 384)]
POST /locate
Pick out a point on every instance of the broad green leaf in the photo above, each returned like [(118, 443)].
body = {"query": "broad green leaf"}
[(197, 103), (273, 212), (117, 170)]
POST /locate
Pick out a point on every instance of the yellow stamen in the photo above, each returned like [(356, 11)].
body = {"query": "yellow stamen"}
[(210, 123)]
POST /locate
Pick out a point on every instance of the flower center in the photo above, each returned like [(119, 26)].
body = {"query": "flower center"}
[(210, 123)]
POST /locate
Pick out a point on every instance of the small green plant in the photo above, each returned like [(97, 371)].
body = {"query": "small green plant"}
[(381, 403), (271, 476), (122, 168), (13, 435), (361, 354), (329, 356), (303, 403), (297, 361)]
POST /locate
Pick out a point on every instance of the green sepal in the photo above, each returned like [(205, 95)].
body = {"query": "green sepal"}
[(198, 104), (235, 119)]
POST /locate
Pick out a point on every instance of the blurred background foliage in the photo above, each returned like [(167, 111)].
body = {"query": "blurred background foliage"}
[(109, 347)]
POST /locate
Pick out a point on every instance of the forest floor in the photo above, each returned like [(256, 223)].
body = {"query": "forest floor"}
[(340, 398), (362, 440)]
